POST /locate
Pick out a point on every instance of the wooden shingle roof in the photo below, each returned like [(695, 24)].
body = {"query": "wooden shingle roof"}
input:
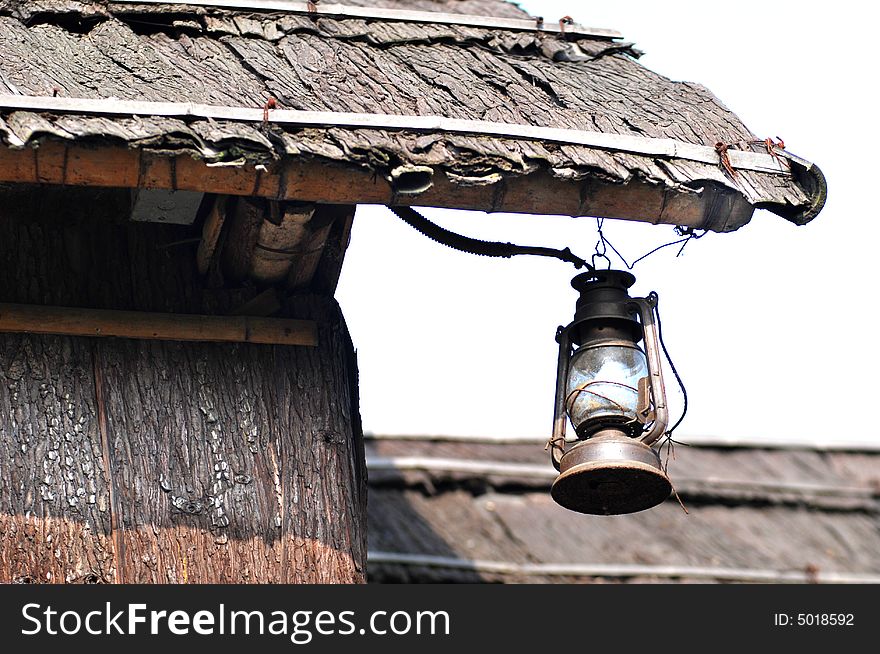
[(477, 511), (591, 131)]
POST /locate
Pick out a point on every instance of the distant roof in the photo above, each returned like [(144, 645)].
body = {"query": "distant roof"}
[(475, 511), (655, 133)]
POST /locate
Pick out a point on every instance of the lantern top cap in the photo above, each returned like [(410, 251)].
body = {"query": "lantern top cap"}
[(603, 279), (604, 298)]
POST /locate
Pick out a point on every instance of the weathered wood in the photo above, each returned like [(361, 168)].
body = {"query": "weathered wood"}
[(664, 148), (713, 207), (235, 465), (71, 321), (267, 303), (55, 517), (279, 244), (159, 461), (622, 570), (528, 527), (232, 59), (329, 268), (310, 249), (211, 230), (437, 16), (241, 231)]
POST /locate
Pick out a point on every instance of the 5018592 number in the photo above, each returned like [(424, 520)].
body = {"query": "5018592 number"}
[(814, 619), (825, 619)]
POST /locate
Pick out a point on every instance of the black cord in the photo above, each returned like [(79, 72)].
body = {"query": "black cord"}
[(674, 372), (481, 248), (506, 250)]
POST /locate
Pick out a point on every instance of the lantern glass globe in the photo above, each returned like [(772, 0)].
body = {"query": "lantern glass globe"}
[(602, 387)]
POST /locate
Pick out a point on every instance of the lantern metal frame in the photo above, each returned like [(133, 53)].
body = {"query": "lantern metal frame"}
[(611, 469)]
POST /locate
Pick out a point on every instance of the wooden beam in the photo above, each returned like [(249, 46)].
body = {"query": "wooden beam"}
[(271, 242), (68, 321), (326, 274), (311, 247), (281, 242), (245, 217), (211, 230), (310, 180)]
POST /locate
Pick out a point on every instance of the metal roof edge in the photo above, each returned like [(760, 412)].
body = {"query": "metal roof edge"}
[(340, 10), (640, 145)]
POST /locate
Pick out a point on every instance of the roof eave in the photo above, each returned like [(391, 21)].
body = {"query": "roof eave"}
[(812, 180), (709, 205)]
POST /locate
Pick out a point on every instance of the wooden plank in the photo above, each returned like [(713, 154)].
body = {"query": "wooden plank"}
[(211, 234), (328, 183), (50, 161), (666, 148), (311, 247), (329, 268), (194, 174), (106, 166), (240, 238), (35, 319), (342, 10)]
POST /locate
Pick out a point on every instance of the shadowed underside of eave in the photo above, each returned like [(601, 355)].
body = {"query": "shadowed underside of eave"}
[(237, 59)]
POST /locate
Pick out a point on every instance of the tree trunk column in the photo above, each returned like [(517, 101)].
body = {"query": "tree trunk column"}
[(152, 461)]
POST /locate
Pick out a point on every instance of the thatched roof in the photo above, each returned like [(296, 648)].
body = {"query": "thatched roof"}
[(581, 82), (476, 511)]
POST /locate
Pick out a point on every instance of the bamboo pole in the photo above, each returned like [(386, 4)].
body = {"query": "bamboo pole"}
[(68, 321), (335, 183)]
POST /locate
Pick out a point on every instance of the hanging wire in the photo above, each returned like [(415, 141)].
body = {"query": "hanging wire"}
[(602, 245)]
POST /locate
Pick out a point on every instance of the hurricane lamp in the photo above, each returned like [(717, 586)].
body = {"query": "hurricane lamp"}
[(611, 390)]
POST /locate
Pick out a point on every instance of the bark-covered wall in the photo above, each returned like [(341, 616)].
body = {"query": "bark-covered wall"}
[(148, 461)]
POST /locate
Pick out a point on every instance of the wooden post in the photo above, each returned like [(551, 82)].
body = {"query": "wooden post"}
[(143, 461)]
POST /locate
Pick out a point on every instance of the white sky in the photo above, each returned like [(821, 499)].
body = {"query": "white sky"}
[(771, 327)]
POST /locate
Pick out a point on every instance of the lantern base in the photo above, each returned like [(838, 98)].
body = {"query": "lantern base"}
[(610, 474)]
